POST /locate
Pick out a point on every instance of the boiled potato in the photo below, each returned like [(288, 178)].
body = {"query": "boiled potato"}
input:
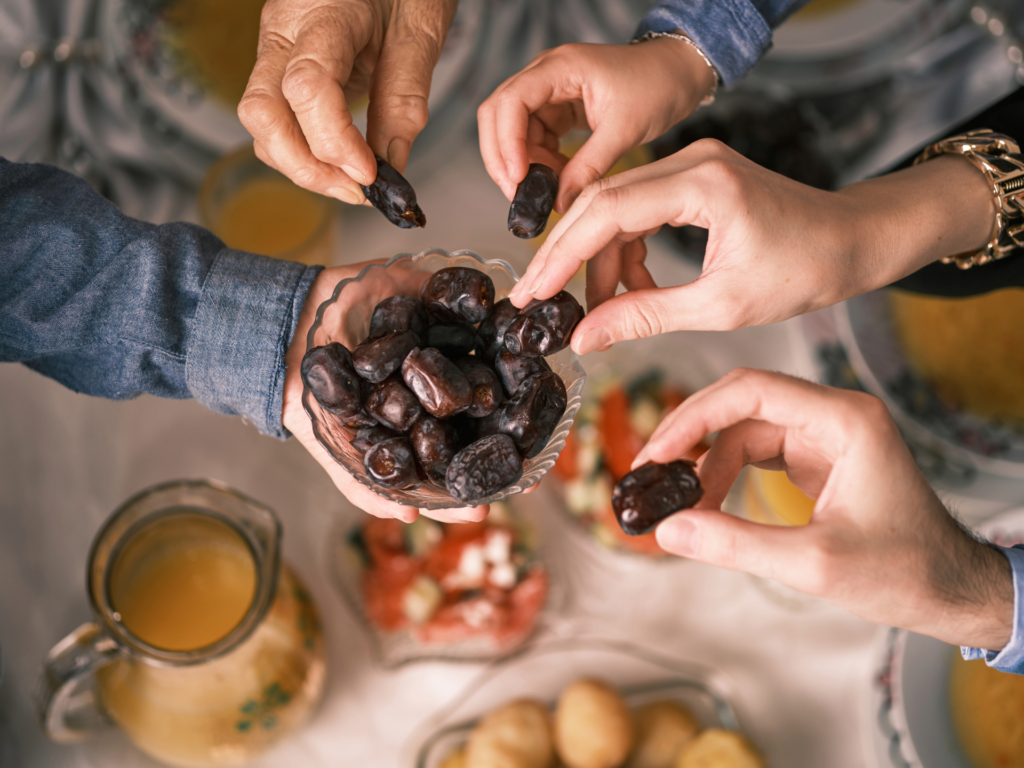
[(593, 727), (456, 759), (663, 728), (715, 748), (517, 735)]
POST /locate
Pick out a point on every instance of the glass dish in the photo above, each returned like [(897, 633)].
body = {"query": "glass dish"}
[(396, 648), (640, 675), (664, 365), (345, 318)]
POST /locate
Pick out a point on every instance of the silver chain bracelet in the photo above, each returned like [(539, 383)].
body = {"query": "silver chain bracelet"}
[(710, 97)]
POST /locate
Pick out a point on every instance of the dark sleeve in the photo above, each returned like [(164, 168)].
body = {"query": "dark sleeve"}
[(939, 279), (115, 307)]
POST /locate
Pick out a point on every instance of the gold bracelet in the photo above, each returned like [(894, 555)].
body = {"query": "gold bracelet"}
[(710, 97), (999, 158)]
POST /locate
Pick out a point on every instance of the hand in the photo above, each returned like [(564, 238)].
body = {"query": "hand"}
[(297, 421), (880, 544), (627, 94), (315, 57), (776, 248)]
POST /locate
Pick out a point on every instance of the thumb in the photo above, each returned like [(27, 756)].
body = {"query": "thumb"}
[(699, 306), (717, 538), (593, 160), (401, 80)]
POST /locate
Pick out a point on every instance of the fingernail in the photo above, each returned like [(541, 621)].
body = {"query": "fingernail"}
[(346, 195), (358, 176), (510, 168), (679, 535), (597, 338), (398, 153)]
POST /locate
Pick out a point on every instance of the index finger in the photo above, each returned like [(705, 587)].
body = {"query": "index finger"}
[(278, 138), (740, 395)]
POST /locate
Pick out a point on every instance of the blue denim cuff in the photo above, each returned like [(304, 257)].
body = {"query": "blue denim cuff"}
[(731, 33), (1011, 658), (247, 314)]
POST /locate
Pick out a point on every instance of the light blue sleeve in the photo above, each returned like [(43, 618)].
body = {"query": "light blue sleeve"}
[(1011, 658), (114, 307), (733, 34)]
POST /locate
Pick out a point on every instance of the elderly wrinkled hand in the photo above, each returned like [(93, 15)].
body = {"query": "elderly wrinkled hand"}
[(880, 543), (297, 421), (315, 58)]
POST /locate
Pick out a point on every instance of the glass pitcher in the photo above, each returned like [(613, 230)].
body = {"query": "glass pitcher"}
[(201, 664)]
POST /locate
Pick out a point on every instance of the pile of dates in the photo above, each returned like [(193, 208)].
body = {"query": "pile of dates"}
[(451, 388)]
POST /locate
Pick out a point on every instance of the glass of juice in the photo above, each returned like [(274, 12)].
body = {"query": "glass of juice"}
[(252, 207), (204, 648)]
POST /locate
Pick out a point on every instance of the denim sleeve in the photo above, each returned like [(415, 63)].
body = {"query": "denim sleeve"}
[(733, 34), (1011, 658), (114, 307)]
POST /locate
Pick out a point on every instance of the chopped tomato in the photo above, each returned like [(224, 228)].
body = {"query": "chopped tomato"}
[(383, 598), (619, 443), (527, 599), (444, 558), (464, 620), (567, 467)]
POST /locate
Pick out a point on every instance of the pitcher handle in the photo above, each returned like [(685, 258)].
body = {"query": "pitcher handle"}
[(66, 696)]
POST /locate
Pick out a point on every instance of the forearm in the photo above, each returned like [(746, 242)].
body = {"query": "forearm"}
[(114, 307), (898, 223)]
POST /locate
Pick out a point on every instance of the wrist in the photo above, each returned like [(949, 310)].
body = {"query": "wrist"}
[(690, 74), (974, 595), (905, 220)]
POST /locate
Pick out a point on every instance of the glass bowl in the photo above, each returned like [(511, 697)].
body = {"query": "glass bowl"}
[(645, 369), (394, 648), (640, 675), (345, 318)]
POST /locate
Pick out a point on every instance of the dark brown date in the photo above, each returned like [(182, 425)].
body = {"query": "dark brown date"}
[(491, 331), (399, 313), (650, 493), (391, 464), (533, 201), (393, 405), (329, 373), (532, 414), (438, 383), (483, 468), (513, 370), (376, 359), (393, 196), (456, 295), (435, 442), (452, 340), (487, 394), (367, 437), (544, 327)]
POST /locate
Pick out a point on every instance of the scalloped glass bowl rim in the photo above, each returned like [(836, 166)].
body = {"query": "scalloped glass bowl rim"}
[(540, 463)]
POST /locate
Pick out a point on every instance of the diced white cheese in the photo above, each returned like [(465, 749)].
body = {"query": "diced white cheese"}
[(497, 546), (577, 496), (421, 599), (502, 576), (644, 417), (477, 613), (471, 571)]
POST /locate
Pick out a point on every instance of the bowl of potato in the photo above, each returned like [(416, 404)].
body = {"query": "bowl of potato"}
[(589, 704)]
